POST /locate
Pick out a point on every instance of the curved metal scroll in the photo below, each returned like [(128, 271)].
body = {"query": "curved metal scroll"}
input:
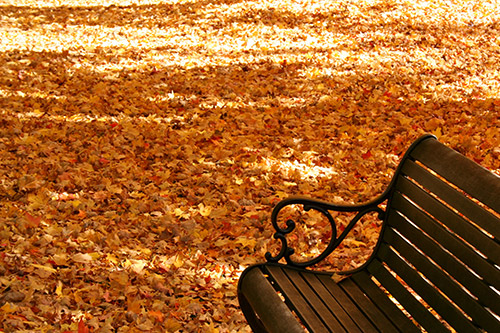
[(281, 233)]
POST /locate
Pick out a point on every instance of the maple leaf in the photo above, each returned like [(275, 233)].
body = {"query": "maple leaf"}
[(33, 221), (82, 327)]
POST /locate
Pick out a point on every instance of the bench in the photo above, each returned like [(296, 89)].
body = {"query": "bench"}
[(435, 266)]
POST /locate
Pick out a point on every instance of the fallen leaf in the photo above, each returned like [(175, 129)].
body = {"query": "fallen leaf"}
[(82, 258)]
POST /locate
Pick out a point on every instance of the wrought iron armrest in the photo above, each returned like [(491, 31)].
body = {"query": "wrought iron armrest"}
[(324, 208)]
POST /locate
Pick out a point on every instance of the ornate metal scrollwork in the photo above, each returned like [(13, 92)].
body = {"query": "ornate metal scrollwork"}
[(324, 208)]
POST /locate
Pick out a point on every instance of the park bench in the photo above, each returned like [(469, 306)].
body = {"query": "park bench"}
[(435, 268)]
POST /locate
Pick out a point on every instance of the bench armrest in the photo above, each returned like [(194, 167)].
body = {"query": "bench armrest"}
[(324, 208)]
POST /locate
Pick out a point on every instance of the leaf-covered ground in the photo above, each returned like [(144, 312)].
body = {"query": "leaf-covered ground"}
[(143, 143)]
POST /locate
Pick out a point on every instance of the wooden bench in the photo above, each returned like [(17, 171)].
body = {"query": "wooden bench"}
[(436, 265)]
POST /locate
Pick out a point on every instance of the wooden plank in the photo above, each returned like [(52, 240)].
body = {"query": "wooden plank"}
[(457, 200), (472, 282), (369, 308), (340, 313), (463, 228), (296, 300), (260, 294), (418, 311), (451, 314), (461, 171), (391, 311), (314, 298), (346, 302), (442, 281), (450, 242)]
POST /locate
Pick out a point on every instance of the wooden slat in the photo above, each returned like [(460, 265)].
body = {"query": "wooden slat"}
[(391, 311), (441, 280), (370, 309), (314, 300), (428, 293), (264, 301), (446, 261), (452, 244), (296, 300), (457, 200), (405, 298), (343, 317), (460, 171), (463, 228), (350, 307)]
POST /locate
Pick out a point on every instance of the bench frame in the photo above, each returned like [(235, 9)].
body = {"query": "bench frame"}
[(438, 257)]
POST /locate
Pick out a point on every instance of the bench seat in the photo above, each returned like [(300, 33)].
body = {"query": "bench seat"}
[(355, 304)]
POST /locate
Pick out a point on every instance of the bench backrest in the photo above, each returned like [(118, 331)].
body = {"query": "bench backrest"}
[(439, 254)]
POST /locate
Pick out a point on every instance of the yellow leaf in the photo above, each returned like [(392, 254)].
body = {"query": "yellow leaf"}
[(112, 258), (45, 268), (127, 263), (37, 201), (59, 288), (137, 195), (180, 213), (8, 307), (204, 210), (281, 194), (353, 242), (76, 203), (95, 255), (203, 233), (438, 132), (77, 297), (178, 262), (246, 242)]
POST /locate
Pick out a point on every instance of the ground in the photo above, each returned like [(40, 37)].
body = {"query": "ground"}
[(143, 144)]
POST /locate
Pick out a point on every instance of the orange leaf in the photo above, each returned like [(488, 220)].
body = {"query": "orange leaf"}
[(367, 155), (157, 315), (32, 220), (82, 328)]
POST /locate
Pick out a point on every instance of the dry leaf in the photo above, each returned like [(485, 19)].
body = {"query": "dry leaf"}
[(82, 258), (339, 277)]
